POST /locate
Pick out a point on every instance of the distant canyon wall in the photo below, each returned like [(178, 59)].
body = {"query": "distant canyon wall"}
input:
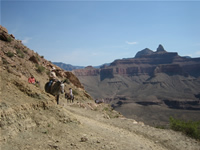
[(150, 66)]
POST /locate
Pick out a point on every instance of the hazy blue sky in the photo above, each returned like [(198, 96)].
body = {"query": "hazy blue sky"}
[(96, 32)]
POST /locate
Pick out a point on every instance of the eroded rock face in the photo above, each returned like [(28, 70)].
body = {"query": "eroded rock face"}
[(3, 29), (73, 79), (106, 73), (169, 69), (143, 52), (161, 74), (147, 62), (4, 34), (161, 49), (88, 71), (34, 59)]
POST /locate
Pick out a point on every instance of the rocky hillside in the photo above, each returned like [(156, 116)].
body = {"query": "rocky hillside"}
[(153, 80), (19, 98), (18, 63)]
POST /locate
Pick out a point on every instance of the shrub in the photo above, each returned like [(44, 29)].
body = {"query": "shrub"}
[(190, 128), (4, 61), (66, 81), (38, 58), (40, 69), (75, 92), (47, 72), (9, 39), (10, 54), (20, 53)]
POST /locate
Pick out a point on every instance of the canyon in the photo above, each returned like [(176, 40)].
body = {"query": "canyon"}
[(31, 119), (151, 79)]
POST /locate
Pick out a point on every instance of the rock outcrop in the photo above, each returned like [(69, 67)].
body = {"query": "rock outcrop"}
[(161, 49), (143, 52), (87, 71)]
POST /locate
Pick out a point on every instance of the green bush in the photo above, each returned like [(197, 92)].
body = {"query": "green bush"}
[(75, 92), (48, 72), (20, 53), (38, 58), (190, 128), (4, 61), (40, 69), (66, 81), (10, 54), (9, 39)]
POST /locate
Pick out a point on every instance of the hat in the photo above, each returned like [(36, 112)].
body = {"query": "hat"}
[(53, 68)]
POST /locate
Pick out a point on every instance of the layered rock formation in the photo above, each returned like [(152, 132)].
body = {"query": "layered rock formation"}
[(147, 62), (149, 83), (162, 74)]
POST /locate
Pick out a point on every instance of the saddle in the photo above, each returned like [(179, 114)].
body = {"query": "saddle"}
[(48, 86)]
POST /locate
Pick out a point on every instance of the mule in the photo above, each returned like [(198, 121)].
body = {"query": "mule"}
[(56, 88), (69, 97)]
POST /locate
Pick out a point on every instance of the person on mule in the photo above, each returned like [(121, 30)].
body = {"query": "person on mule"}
[(52, 77), (55, 87), (71, 93)]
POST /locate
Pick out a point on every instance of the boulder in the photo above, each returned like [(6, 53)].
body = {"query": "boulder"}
[(4, 34), (34, 59)]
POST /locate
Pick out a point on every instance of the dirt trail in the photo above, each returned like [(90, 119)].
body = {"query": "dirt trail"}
[(126, 134), (73, 127), (116, 138)]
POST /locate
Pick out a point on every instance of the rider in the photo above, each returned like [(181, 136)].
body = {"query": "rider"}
[(71, 93), (52, 77)]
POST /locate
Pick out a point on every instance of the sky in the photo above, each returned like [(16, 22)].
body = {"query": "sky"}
[(92, 32)]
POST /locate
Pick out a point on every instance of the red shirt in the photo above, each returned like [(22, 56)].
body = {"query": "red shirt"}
[(31, 80)]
